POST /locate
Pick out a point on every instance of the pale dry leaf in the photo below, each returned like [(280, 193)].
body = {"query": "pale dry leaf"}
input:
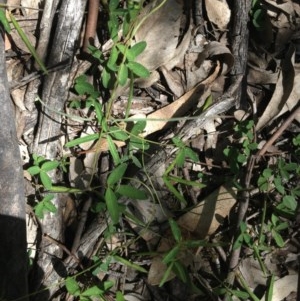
[(205, 218), (261, 76), (20, 43), (199, 65), (179, 107), (13, 3), (31, 6), (31, 233), (283, 287), (224, 55), (158, 268), (218, 12), (285, 6), (134, 297), (294, 98), (161, 32), (282, 91)]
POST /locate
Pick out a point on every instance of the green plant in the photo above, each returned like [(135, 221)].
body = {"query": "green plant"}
[(259, 16), (238, 155), (183, 153), (87, 294), (278, 177), (173, 258), (41, 167)]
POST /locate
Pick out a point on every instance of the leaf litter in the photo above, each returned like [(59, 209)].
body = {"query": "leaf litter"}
[(189, 63)]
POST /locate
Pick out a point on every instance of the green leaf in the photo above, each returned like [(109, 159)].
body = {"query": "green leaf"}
[(112, 205), (138, 127), (4, 21), (186, 182), (198, 243), (290, 202), (138, 143), (166, 275), (130, 264), (239, 242), (178, 142), (122, 48), (171, 255), (46, 181), (241, 158), (96, 53), (48, 198), (263, 183), (39, 210), (278, 185), (267, 173), (278, 238), (27, 43), (113, 4), (82, 87), (240, 294), (93, 291), (107, 285), (136, 161), (253, 146), (63, 189), (180, 271), (98, 109), (191, 154), (117, 174), (135, 50), (49, 206), (175, 230), (34, 170), (111, 64), (119, 296), (290, 166), (138, 69), (180, 158), (82, 140), (113, 150), (49, 165), (105, 78), (118, 133), (132, 192), (123, 75), (173, 190), (270, 287), (72, 286)]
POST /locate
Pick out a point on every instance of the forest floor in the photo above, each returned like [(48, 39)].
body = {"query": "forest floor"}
[(162, 163)]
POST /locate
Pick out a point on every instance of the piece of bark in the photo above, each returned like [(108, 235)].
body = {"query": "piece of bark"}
[(239, 40), (13, 255), (55, 92)]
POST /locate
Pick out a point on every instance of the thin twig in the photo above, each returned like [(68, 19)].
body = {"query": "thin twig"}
[(81, 224), (279, 132)]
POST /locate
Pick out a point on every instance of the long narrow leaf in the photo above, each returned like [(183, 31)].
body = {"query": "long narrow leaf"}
[(112, 205), (130, 264), (27, 43), (82, 140)]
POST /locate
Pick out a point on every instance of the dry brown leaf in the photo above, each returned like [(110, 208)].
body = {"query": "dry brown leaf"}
[(282, 91), (179, 106), (283, 287), (31, 6), (218, 12), (285, 6), (158, 268), (199, 65), (161, 32), (205, 218)]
